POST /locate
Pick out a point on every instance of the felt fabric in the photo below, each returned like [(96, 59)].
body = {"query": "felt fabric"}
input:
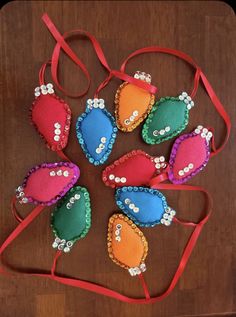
[(151, 204), (95, 128), (168, 112), (130, 98), (41, 187), (188, 149), (71, 221), (45, 112), (137, 167), (131, 250)]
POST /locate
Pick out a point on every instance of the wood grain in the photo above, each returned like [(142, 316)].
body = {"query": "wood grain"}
[(203, 29)]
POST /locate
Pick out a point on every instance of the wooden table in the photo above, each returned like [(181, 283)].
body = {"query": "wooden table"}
[(204, 30)]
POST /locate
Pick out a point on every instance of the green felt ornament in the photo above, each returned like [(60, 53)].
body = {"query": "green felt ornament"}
[(168, 118), (71, 219)]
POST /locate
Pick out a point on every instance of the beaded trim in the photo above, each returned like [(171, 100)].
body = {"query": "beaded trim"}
[(174, 151), (64, 137), (20, 190), (136, 230), (140, 119), (90, 106), (153, 140), (139, 189), (62, 244)]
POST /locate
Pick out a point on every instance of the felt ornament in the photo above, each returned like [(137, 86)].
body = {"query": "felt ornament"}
[(145, 206), (71, 218), (133, 169), (96, 131), (127, 245), (51, 117), (133, 103), (189, 155), (167, 119), (45, 184)]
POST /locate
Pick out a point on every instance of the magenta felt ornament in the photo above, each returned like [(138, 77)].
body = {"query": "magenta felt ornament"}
[(189, 155), (45, 184)]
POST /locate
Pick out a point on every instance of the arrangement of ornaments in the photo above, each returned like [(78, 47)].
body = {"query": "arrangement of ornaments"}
[(135, 176)]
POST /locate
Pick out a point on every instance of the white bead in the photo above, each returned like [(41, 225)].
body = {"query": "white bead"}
[(199, 127), (131, 206), (117, 232), (189, 107), (111, 177), (135, 113), (167, 129), (184, 94), (59, 173), (197, 131), (181, 173), (127, 201), (209, 134), (205, 130), (136, 76), (186, 101), (167, 223), (49, 85), (117, 179), (37, 89), (95, 105), (89, 101), (162, 132), (101, 100), (123, 180), (101, 106), (72, 200), (136, 209), (165, 216), (158, 165), (203, 135), (162, 159), (155, 132), (192, 103), (119, 226), (142, 77), (56, 138), (66, 249), (57, 125), (43, 87), (103, 140), (44, 92), (54, 245), (190, 165), (98, 150), (181, 97), (118, 238), (52, 173), (126, 122), (102, 146), (66, 173), (173, 213), (131, 118), (162, 221), (68, 206), (37, 94), (186, 169), (170, 218), (57, 131), (77, 196), (156, 160), (189, 98)]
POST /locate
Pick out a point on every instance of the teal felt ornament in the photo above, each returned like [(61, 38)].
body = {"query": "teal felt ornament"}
[(71, 219), (168, 118)]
